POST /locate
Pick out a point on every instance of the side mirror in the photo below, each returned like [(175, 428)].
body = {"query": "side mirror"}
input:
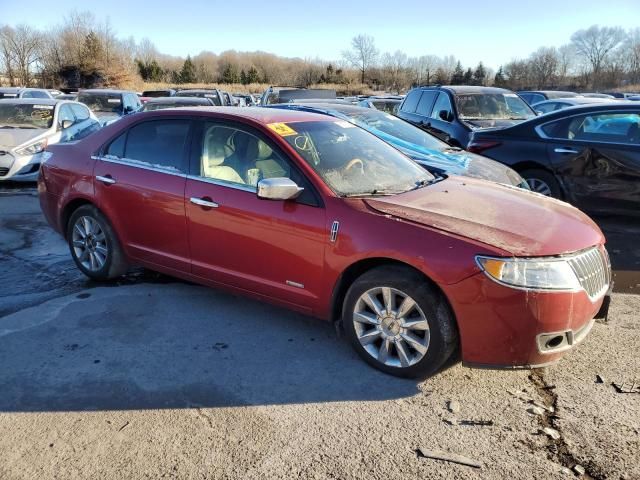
[(128, 109), (66, 124), (280, 188), (445, 115)]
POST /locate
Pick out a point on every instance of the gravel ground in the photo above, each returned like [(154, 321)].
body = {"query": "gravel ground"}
[(156, 378)]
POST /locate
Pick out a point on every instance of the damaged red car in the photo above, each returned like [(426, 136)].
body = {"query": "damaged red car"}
[(319, 216)]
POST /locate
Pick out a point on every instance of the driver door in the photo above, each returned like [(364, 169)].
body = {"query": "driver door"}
[(272, 248)]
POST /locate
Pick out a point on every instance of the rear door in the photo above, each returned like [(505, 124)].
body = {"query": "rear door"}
[(272, 248), (598, 158), (140, 178)]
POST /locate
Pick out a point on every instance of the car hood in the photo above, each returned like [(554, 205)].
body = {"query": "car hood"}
[(14, 137), (519, 222)]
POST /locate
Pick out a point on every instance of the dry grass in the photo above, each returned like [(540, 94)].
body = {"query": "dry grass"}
[(341, 89)]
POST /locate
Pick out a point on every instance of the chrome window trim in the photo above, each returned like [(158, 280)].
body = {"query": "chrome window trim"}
[(541, 134), (223, 183), (121, 161)]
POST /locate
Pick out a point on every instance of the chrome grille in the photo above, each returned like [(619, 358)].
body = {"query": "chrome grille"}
[(593, 271), (4, 171)]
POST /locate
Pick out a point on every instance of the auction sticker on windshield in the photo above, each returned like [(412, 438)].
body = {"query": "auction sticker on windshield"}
[(344, 124), (113, 100), (282, 129), (44, 107)]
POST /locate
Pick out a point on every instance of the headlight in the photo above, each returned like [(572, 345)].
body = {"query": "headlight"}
[(531, 273), (33, 148)]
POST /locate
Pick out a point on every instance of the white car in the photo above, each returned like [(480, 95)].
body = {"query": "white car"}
[(18, 92), (28, 125)]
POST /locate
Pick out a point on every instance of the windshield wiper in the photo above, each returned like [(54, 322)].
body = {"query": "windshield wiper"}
[(375, 191), (7, 126), (423, 183)]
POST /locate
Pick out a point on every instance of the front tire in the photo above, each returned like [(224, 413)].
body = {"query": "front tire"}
[(399, 323), (94, 245)]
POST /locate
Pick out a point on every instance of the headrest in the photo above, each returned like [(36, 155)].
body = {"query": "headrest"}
[(214, 152)]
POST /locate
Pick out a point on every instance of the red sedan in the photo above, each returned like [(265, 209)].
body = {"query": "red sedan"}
[(319, 216)]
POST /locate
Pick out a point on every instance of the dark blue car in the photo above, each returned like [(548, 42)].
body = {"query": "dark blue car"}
[(433, 154)]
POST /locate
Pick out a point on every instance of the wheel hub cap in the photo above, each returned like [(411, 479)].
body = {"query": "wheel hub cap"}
[(391, 327), (89, 243)]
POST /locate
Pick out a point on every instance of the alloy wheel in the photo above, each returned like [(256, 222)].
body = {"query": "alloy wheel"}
[(539, 186), (391, 327), (89, 243)]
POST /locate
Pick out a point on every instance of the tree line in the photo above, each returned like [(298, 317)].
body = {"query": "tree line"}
[(84, 52)]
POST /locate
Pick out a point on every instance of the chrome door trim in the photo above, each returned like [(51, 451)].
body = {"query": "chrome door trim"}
[(203, 203), (105, 180), (222, 183), (140, 165), (565, 150)]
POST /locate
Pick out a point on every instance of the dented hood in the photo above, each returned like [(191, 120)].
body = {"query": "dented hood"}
[(517, 221)]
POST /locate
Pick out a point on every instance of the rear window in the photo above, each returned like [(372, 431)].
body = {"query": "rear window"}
[(102, 102), (411, 102)]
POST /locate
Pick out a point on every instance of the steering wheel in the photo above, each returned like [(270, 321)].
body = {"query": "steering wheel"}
[(354, 163)]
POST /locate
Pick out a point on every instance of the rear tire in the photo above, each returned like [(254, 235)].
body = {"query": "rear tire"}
[(399, 323), (542, 182), (94, 246)]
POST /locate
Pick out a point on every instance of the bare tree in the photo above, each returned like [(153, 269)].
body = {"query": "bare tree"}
[(543, 66), (6, 53), (595, 44), (424, 68), (363, 54)]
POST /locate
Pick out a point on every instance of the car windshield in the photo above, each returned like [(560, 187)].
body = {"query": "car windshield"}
[(210, 95), (350, 160), (377, 121), (26, 115), (492, 106), (102, 102)]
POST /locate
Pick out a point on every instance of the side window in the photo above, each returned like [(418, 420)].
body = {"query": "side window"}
[(159, 143), (535, 98), (81, 113), (411, 102), (39, 94), (442, 103), (65, 113), (546, 108), (234, 156), (27, 94), (606, 127), (426, 103)]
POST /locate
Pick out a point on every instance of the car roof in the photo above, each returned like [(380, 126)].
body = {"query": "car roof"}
[(468, 89), (578, 100), (257, 114), (105, 91), (34, 101), (548, 91), (326, 107), (197, 90), (175, 99)]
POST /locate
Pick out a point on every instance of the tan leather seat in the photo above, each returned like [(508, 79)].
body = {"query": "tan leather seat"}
[(214, 153)]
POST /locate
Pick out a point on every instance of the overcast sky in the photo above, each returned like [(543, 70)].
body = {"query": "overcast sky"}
[(494, 31)]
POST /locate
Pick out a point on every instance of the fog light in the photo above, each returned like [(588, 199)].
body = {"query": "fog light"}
[(555, 341)]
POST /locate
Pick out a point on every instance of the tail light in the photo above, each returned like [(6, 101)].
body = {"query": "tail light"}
[(479, 146)]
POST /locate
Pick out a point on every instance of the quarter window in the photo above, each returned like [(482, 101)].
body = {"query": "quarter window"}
[(411, 102), (81, 113), (64, 114)]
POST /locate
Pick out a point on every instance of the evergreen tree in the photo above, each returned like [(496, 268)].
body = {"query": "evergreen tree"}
[(230, 74), (243, 77), (479, 76), (499, 80), (458, 75), (468, 77), (253, 76), (188, 72)]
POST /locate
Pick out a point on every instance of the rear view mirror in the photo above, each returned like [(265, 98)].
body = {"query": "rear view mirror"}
[(280, 188), (66, 124), (445, 115)]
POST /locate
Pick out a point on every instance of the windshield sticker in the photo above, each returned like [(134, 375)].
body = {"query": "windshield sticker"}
[(344, 124), (510, 95), (41, 114), (282, 129), (44, 107), (113, 100), (10, 94), (210, 95)]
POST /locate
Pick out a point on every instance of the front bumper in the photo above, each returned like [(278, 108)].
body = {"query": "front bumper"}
[(502, 327), (19, 168)]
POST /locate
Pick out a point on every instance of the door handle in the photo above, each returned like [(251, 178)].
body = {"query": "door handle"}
[(565, 150), (107, 179), (204, 202)]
